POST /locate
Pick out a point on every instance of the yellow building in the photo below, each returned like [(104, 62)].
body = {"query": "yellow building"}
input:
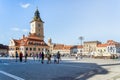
[(89, 47), (102, 51), (34, 42)]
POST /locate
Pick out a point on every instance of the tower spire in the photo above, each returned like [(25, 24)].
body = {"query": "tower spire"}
[(37, 16), (37, 26)]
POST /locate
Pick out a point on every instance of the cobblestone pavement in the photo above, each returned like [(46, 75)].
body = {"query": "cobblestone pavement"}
[(68, 69)]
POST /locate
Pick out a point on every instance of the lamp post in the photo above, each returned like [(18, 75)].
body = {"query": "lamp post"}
[(81, 39)]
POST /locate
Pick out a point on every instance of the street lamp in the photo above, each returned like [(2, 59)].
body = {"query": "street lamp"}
[(81, 39)]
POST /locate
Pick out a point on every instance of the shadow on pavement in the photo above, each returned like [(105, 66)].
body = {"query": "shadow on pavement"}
[(64, 71), (84, 71), (110, 64)]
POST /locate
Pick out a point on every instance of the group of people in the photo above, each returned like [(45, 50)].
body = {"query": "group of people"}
[(78, 56), (55, 56), (40, 57), (21, 56)]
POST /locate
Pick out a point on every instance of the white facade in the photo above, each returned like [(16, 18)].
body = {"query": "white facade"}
[(112, 49)]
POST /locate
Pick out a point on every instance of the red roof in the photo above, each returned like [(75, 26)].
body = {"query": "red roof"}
[(102, 45), (30, 41), (62, 47)]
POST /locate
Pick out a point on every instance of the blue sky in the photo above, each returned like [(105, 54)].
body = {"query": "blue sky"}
[(65, 20)]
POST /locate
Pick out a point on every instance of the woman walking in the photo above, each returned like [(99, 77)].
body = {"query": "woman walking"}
[(16, 55), (42, 56), (26, 55), (21, 55)]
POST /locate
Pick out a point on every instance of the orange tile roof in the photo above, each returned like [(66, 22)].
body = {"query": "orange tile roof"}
[(111, 42), (17, 42), (102, 45), (79, 46), (62, 47), (26, 41), (58, 46), (65, 47)]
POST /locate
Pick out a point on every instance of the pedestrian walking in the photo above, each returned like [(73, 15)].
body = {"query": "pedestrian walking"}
[(26, 55), (21, 55), (55, 58), (76, 56), (33, 56), (81, 56), (42, 56), (37, 55), (16, 55), (58, 57), (48, 57)]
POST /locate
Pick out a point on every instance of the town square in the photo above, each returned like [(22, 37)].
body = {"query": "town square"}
[(68, 69), (60, 40)]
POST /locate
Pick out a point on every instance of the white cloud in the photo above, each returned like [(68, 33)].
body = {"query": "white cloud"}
[(25, 5), (15, 29), (19, 30), (25, 30)]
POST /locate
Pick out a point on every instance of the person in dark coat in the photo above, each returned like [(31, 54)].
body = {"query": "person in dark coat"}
[(58, 57), (16, 55), (21, 55), (26, 55), (42, 56)]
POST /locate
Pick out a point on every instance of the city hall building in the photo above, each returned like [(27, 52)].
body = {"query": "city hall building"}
[(34, 42)]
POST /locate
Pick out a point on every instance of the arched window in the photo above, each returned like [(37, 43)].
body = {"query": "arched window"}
[(30, 49)]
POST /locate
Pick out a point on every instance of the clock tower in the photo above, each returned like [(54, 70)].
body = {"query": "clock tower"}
[(37, 25)]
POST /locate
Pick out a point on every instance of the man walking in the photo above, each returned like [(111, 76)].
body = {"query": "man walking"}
[(58, 57), (26, 55), (42, 55), (48, 57), (16, 55)]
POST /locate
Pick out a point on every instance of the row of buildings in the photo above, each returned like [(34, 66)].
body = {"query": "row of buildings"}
[(34, 43), (89, 48)]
